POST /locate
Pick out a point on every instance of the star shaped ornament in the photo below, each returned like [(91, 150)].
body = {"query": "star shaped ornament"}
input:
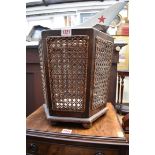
[(101, 19)]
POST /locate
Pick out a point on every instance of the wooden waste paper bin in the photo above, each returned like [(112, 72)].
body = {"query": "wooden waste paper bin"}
[(75, 67)]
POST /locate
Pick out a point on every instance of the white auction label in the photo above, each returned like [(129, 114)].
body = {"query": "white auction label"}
[(66, 131), (66, 32)]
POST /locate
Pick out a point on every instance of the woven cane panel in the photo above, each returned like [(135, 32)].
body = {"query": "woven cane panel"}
[(67, 63), (42, 69), (103, 61)]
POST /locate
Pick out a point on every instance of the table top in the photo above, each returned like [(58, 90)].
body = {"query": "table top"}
[(107, 125)]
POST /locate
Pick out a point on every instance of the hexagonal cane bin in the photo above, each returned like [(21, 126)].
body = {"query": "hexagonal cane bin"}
[(75, 72)]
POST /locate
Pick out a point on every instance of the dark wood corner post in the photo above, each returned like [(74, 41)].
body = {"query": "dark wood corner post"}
[(113, 75)]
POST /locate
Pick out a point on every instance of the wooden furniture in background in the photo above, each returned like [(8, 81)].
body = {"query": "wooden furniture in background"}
[(125, 123), (121, 107), (113, 74), (105, 137), (34, 94)]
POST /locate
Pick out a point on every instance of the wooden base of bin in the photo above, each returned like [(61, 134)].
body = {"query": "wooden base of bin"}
[(86, 122)]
